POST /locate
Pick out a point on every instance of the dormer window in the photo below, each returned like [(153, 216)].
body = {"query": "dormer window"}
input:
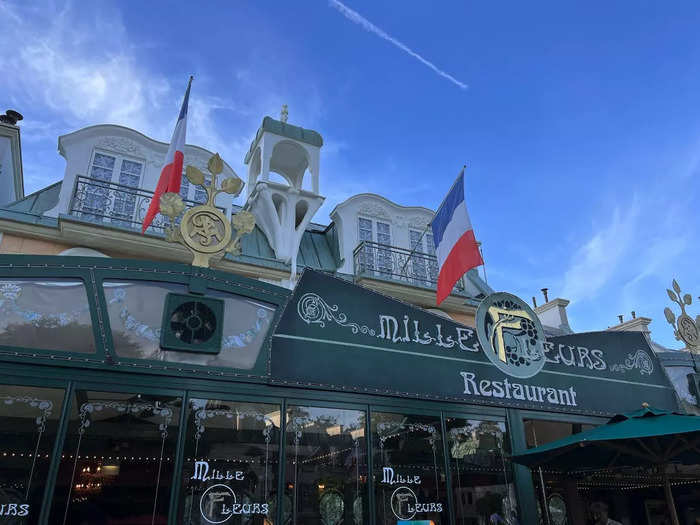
[(375, 252), (103, 168), (113, 197)]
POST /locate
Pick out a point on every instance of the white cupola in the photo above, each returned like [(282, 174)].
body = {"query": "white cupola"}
[(283, 210)]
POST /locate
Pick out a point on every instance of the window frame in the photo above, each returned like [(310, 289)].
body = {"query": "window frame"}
[(121, 200)]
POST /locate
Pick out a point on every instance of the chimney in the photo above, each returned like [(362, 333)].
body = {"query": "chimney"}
[(11, 177), (11, 117), (553, 313), (636, 324)]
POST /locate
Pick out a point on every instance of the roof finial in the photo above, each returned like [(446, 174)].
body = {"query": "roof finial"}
[(284, 114), (645, 405)]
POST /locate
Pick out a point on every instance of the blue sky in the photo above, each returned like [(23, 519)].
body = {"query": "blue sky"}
[(580, 123)]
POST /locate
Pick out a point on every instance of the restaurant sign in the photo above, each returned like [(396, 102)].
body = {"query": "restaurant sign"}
[(336, 335)]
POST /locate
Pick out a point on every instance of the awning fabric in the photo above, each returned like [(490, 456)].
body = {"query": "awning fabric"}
[(641, 438)]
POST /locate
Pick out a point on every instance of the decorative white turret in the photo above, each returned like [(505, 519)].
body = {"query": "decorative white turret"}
[(283, 210)]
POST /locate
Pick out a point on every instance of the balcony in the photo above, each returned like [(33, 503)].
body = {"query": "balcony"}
[(116, 205), (391, 263)]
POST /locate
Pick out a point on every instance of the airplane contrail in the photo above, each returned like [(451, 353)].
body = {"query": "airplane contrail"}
[(357, 18)]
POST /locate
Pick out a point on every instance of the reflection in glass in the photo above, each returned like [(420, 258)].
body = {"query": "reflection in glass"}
[(409, 471), (136, 314), (29, 418), (45, 315), (482, 489), (231, 463), (117, 461), (326, 469)]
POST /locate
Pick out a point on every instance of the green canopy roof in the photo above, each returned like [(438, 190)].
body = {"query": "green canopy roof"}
[(643, 437)]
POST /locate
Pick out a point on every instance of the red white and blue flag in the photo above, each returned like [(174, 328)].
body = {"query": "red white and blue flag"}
[(171, 174), (455, 246)]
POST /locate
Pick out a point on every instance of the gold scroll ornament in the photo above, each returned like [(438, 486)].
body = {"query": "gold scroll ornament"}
[(686, 328), (204, 229)]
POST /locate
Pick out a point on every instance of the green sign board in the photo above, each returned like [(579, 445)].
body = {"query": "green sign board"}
[(336, 335)]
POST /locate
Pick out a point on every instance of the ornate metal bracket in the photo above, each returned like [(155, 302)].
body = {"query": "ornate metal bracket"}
[(204, 229), (685, 328)]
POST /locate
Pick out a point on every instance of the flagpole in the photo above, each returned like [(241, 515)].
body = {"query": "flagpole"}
[(481, 251), (430, 223)]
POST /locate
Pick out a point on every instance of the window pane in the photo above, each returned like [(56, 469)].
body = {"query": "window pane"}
[(482, 481), (48, 315), (94, 204), (409, 469), (125, 199), (383, 233), (365, 229), (117, 462), (367, 253), (103, 161), (432, 262), (418, 260), (131, 168), (326, 470), (184, 187), (231, 463), (200, 194), (136, 313), (29, 423)]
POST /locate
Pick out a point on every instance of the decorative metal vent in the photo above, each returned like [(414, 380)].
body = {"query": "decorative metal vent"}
[(192, 324)]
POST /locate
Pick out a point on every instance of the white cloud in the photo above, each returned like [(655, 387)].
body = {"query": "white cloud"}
[(360, 20), (55, 68), (74, 67), (595, 262)]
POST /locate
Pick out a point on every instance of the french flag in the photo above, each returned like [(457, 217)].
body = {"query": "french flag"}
[(171, 174), (455, 246)]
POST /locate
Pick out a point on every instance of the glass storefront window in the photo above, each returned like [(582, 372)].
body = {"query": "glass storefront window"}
[(482, 482), (46, 315), (117, 461), (326, 469), (29, 418), (408, 464), (135, 312), (231, 463), (566, 497)]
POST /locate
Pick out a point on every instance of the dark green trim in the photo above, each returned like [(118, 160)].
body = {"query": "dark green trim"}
[(281, 483), (56, 455), (93, 271), (562, 418), (524, 488), (370, 467), (179, 455), (448, 472)]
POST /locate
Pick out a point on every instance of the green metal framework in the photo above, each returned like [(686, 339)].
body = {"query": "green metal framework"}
[(105, 371)]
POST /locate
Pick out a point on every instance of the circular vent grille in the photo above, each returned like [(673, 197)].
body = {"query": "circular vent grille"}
[(193, 322)]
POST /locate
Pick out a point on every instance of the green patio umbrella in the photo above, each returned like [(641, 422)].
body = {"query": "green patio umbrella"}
[(646, 437)]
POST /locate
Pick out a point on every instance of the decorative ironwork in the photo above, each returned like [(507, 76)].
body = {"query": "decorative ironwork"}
[(204, 229), (313, 309), (381, 261), (117, 205), (686, 328)]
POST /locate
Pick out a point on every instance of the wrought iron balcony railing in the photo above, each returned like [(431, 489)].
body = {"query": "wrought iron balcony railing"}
[(116, 204), (380, 261)]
